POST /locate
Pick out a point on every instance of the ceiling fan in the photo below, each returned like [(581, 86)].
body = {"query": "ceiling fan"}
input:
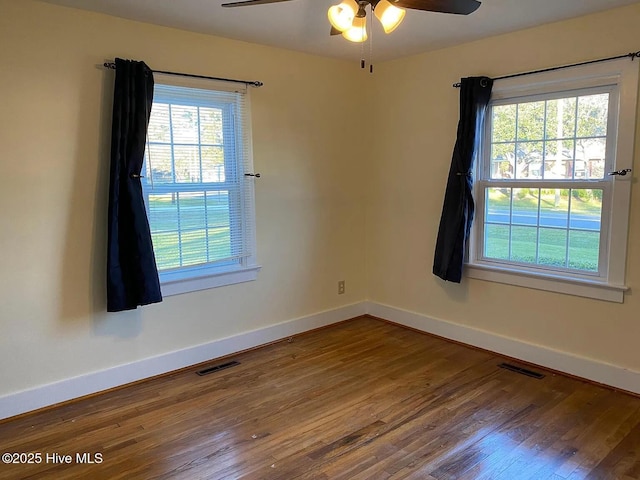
[(349, 17)]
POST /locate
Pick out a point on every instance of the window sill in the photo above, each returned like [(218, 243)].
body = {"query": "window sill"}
[(207, 280), (549, 282)]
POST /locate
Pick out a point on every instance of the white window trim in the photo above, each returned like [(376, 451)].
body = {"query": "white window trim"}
[(186, 280), (178, 284), (610, 287)]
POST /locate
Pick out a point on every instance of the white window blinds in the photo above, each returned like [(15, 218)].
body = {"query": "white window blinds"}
[(200, 204)]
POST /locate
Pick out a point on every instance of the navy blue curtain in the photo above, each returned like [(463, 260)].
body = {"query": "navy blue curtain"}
[(132, 275), (458, 208)]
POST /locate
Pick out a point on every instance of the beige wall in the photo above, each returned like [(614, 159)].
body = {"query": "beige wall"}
[(409, 170), (323, 197), (54, 148)]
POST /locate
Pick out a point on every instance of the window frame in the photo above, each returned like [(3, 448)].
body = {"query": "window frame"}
[(621, 76), (175, 281)]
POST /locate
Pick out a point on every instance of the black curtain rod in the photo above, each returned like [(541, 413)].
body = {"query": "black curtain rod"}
[(256, 83), (632, 56)]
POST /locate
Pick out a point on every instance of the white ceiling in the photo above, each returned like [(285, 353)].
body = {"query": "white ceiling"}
[(302, 24)]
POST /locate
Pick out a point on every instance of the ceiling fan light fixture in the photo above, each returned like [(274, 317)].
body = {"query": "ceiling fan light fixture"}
[(341, 16), (389, 15), (358, 31)]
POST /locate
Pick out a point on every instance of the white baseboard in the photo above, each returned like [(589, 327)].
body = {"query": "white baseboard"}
[(590, 369), (50, 394)]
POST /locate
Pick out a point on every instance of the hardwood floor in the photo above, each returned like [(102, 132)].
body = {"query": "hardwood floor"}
[(360, 400)]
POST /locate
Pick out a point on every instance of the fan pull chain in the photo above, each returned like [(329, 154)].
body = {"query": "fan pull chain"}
[(371, 41), (362, 62)]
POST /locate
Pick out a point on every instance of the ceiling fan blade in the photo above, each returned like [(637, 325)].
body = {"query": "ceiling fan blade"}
[(335, 31), (246, 3), (460, 7)]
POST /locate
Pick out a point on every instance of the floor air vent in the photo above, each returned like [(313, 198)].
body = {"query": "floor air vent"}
[(217, 368), (521, 370)]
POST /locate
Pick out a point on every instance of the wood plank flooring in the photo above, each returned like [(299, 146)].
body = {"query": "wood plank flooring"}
[(360, 400)]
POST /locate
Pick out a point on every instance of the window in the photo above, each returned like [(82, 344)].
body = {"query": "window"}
[(548, 213), (199, 202)]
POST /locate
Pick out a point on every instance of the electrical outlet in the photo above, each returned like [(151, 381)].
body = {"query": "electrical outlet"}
[(340, 287)]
